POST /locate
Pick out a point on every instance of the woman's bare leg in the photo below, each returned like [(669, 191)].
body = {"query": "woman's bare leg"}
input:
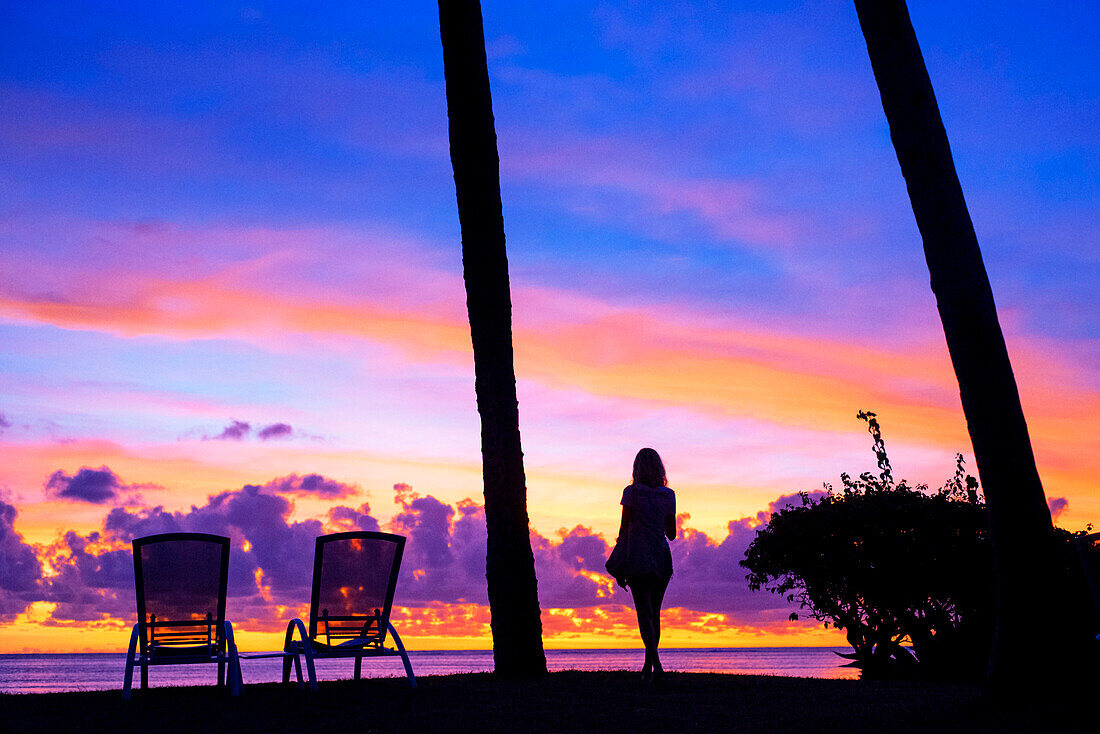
[(656, 598), (643, 605)]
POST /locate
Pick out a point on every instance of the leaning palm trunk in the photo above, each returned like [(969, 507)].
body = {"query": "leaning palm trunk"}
[(510, 566), (1019, 519)]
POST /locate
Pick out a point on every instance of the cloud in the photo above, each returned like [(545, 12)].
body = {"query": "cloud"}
[(441, 587), (1057, 506), (274, 431), (235, 431), (445, 555), (708, 575), (97, 486), (271, 556), (241, 430), (94, 580), (258, 523), (311, 484), (570, 571), (345, 519), (656, 192), (444, 559), (4, 423), (686, 357), (20, 569)]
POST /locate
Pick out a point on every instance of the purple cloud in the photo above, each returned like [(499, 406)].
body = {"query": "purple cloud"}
[(271, 557), (311, 484), (428, 523), (235, 431), (90, 586), (20, 569), (345, 519), (97, 486), (240, 430), (1057, 506), (4, 423), (445, 557), (256, 521), (558, 567), (708, 576), (275, 431), (445, 554)]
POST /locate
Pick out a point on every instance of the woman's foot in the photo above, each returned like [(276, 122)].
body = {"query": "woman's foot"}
[(658, 673), (647, 672)]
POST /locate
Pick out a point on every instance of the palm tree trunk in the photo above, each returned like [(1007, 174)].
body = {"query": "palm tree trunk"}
[(510, 565), (1019, 519)]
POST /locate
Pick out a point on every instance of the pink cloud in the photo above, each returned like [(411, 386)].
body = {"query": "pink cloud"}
[(730, 208), (654, 356), (672, 356)]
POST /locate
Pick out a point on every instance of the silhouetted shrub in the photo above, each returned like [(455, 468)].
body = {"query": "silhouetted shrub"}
[(906, 572)]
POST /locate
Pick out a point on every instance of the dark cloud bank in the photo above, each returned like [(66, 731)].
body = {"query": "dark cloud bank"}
[(444, 559)]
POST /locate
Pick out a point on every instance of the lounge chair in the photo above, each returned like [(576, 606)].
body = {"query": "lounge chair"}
[(181, 583), (354, 577)]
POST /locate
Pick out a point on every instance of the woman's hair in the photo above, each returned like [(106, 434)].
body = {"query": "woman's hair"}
[(649, 469)]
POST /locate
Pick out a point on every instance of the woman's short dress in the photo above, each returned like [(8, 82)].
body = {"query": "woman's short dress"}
[(649, 552)]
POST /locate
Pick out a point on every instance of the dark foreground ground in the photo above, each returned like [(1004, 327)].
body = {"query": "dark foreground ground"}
[(561, 702)]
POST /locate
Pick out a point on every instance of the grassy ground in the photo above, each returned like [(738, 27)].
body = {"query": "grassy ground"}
[(567, 701)]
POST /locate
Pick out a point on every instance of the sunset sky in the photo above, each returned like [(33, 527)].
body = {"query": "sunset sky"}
[(231, 293)]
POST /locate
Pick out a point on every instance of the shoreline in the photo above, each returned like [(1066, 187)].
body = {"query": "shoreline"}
[(62, 672)]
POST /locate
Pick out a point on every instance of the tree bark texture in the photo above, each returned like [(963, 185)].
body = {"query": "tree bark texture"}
[(510, 566), (1020, 523)]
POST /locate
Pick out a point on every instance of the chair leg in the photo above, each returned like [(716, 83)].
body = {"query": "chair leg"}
[(128, 676), (222, 680), (408, 669), (144, 676), (404, 655), (358, 667), (236, 679), (311, 669), (298, 671), (286, 669)]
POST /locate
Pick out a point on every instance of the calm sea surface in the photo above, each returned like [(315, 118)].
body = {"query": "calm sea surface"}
[(103, 671)]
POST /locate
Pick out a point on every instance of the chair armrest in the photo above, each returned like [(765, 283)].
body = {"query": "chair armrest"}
[(306, 650), (295, 624)]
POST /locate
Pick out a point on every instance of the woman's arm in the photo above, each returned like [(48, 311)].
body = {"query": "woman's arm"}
[(628, 512), (670, 526)]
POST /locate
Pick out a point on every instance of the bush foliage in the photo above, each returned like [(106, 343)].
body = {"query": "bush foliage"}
[(905, 571)]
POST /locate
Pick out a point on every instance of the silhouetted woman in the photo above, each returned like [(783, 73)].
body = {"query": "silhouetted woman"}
[(649, 515)]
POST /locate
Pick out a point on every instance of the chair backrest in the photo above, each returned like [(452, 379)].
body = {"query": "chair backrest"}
[(181, 583), (354, 577)]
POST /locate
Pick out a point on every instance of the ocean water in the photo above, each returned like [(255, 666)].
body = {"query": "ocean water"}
[(35, 673)]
